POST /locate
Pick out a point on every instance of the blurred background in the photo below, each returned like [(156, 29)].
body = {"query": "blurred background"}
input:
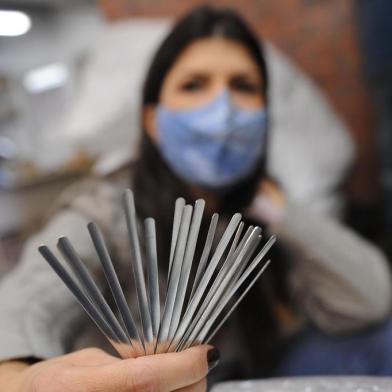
[(70, 79)]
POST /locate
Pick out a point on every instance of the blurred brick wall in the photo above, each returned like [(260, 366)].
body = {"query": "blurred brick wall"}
[(320, 36)]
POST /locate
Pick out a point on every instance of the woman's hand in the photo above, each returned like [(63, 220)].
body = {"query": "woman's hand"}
[(96, 371), (269, 203), (270, 189)]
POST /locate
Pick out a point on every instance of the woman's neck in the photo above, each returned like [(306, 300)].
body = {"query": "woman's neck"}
[(212, 200)]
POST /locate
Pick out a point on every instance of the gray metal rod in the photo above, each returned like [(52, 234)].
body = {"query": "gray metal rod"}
[(186, 265), (234, 286), (112, 279), (91, 288), (230, 259), (210, 302), (235, 240), (239, 272), (79, 295), (212, 334), (178, 209), (227, 235), (175, 274), (137, 265), (152, 274), (206, 252)]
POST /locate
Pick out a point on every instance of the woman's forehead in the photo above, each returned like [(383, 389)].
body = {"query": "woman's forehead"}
[(215, 54)]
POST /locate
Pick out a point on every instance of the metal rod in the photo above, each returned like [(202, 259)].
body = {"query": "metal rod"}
[(212, 334), (137, 265), (186, 265), (211, 301), (91, 288), (218, 280), (81, 297), (232, 288), (231, 258), (114, 284), (193, 305), (178, 209), (175, 274), (152, 274), (206, 252), (235, 240)]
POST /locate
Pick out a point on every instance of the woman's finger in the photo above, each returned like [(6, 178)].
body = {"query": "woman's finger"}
[(201, 386), (161, 372), (89, 357)]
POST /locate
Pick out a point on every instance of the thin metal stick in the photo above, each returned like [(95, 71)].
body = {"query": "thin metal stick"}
[(175, 274), (137, 266), (79, 295), (236, 284), (91, 288), (231, 287), (239, 272), (220, 278), (112, 279), (236, 239), (243, 265), (152, 274), (210, 302), (206, 252), (178, 209), (230, 259), (227, 235), (212, 334), (186, 265)]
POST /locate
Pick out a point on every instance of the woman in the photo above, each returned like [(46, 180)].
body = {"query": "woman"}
[(205, 121)]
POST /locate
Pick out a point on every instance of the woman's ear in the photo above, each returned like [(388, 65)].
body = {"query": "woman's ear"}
[(150, 123)]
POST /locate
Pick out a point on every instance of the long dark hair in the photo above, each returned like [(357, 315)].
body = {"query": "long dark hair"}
[(156, 186)]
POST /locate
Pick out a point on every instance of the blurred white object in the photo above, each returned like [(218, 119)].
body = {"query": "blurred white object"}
[(309, 384), (41, 70), (31, 137), (45, 78), (14, 23), (105, 114), (310, 148)]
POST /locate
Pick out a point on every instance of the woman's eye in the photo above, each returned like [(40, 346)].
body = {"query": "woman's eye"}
[(192, 85), (245, 86)]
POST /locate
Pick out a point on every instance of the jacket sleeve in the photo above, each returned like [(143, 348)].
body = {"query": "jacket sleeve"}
[(341, 281), (38, 315)]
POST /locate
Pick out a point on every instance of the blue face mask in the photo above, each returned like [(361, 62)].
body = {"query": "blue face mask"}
[(214, 145)]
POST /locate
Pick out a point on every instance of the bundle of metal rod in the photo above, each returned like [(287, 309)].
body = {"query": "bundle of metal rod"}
[(193, 309)]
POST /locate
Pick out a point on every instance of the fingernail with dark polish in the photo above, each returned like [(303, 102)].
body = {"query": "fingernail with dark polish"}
[(213, 357)]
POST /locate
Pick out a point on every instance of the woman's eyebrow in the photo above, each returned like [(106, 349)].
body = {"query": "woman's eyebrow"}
[(248, 74), (194, 74)]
